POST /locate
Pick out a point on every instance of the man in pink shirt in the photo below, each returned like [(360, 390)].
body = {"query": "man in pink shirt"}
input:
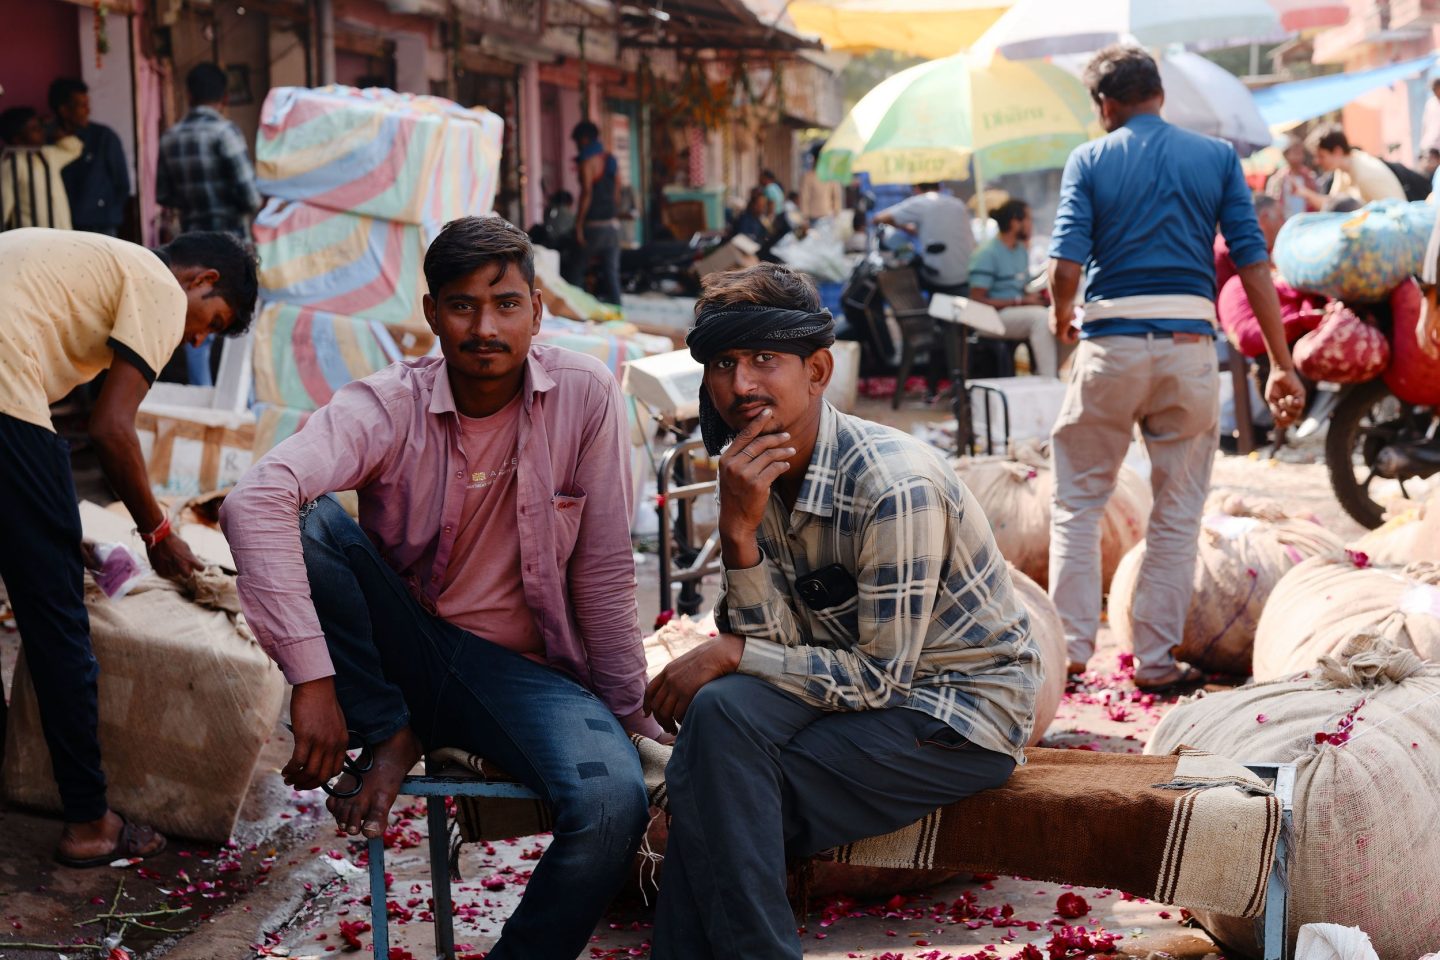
[(486, 598)]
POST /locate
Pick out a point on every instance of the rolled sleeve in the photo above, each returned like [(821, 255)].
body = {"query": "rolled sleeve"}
[(1071, 238), (1238, 222)]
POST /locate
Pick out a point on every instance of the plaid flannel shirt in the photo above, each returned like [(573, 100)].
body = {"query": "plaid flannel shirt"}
[(935, 624), (204, 172)]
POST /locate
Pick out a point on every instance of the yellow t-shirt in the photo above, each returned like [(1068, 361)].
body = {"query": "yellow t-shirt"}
[(1368, 180), (68, 302)]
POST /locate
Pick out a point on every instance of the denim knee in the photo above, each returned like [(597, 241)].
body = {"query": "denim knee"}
[(608, 801), (324, 522)]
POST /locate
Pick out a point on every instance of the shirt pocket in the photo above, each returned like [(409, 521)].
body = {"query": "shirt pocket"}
[(567, 507), (840, 624)]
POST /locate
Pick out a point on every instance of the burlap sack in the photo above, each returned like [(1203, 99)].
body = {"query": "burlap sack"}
[(1049, 634), (1319, 604), (1243, 552), (1016, 493), (187, 699), (1364, 733), (1406, 536)]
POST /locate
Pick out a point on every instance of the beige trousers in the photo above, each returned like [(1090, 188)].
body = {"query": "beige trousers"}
[(1033, 323), (1171, 389)]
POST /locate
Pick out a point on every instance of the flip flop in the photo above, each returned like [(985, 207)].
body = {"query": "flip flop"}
[(131, 840), (1186, 678)]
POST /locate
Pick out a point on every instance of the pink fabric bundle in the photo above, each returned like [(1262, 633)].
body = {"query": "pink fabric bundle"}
[(1299, 311), (1343, 349)]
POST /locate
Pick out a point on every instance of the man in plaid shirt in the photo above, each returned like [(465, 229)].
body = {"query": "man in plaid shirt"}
[(204, 174), (874, 662)]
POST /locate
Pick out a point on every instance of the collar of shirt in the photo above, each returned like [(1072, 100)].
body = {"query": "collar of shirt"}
[(204, 112), (537, 380), (1142, 120)]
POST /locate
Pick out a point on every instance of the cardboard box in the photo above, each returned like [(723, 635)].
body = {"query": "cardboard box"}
[(189, 451), (738, 253)]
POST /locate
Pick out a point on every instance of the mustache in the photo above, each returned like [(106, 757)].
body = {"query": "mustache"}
[(475, 344), (739, 402)]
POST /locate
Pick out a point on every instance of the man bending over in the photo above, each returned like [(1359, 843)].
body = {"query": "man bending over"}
[(486, 598), (874, 661), (72, 306)]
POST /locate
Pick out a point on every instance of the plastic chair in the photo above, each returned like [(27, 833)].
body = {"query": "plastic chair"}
[(901, 289)]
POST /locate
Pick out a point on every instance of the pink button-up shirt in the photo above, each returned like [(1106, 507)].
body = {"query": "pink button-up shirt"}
[(394, 438)]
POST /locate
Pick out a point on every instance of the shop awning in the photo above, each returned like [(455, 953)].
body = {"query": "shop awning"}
[(712, 24), (922, 28), (1286, 104)]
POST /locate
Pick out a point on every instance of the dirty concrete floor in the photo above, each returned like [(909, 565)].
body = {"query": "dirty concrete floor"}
[(288, 881)]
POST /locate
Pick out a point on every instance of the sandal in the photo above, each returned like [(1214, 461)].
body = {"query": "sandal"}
[(1186, 678), (132, 839)]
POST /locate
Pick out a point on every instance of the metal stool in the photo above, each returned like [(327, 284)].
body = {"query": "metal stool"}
[(434, 789)]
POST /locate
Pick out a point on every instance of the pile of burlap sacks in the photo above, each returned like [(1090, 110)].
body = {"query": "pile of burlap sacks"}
[(1342, 642)]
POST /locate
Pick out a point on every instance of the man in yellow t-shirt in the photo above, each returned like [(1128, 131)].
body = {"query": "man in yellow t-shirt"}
[(1355, 173), (71, 305)]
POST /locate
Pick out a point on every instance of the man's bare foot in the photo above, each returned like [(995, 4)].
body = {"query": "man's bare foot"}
[(109, 838), (368, 811)]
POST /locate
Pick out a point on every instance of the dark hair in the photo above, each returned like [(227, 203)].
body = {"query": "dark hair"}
[(585, 130), (229, 256), (928, 187), (769, 175), (1263, 202), (562, 198), (206, 83), (1329, 137), (13, 121), (1124, 74), (63, 89), (768, 284), (1341, 204), (469, 243), (1008, 212)]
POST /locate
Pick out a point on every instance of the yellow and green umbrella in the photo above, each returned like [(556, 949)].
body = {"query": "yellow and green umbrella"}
[(925, 124)]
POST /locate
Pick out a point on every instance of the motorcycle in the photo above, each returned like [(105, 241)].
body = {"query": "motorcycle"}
[(1375, 436)]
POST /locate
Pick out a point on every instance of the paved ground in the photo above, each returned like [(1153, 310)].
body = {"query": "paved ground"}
[(286, 886)]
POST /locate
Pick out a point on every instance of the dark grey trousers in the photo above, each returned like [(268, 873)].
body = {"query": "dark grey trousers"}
[(759, 776)]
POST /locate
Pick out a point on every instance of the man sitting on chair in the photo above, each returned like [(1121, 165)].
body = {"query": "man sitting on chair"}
[(999, 272), (486, 598), (874, 662)]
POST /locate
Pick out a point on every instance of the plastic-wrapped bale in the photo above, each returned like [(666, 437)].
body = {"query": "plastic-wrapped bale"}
[(1016, 493), (342, 263), (187, 700), (415, 159), (1405, 537), (1361, 256), (1243, 552), (1363, 730), (1323, 601), (302, 356), (1049, 635)]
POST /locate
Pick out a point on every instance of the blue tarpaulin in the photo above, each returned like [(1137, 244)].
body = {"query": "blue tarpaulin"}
[(1288, 103)]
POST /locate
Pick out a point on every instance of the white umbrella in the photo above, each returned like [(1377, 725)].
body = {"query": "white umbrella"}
[(1043, 28), (1203, 96)]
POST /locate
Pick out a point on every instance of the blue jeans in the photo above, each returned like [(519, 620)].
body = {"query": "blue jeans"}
[(396, 664)]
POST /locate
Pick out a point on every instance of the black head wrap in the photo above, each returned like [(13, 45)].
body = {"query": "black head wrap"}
[(751, 326)]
